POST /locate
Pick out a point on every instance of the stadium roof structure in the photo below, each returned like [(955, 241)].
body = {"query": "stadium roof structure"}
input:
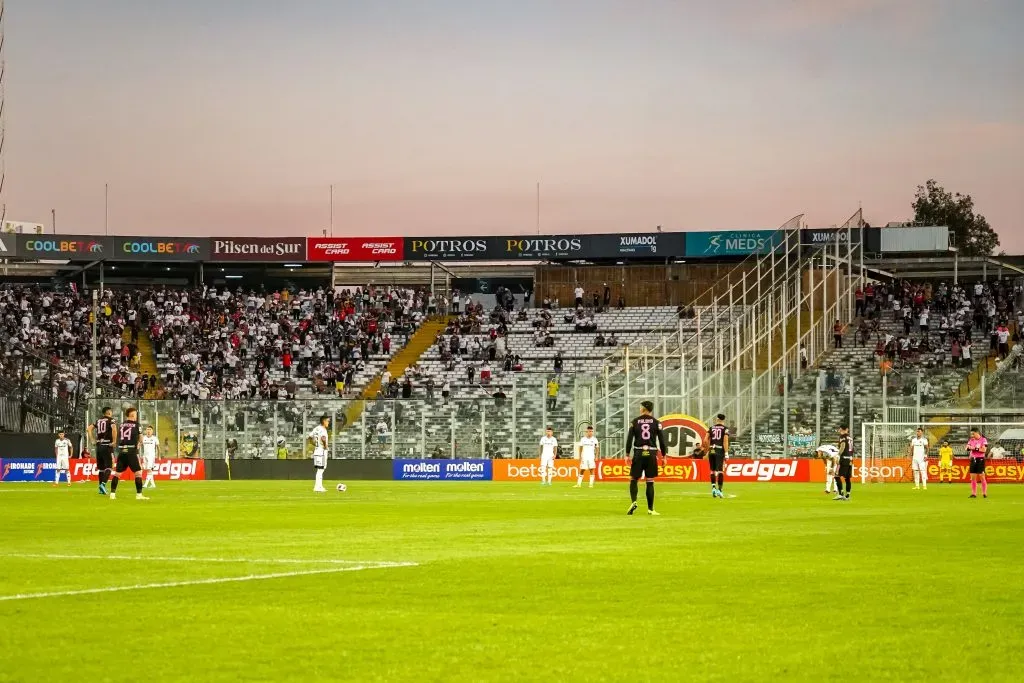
[(948, 266)]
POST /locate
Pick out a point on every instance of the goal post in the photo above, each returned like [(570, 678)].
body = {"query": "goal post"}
[(885, 446)]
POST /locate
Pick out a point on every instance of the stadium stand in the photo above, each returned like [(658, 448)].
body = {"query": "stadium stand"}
[(934, 331)]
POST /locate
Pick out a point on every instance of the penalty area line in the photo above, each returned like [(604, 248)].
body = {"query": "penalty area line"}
[(204, 582)]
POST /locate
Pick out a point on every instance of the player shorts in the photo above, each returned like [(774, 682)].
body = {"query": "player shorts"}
[(63, 462), (547, 463), (716, 460), (128, 459), (320, 460), (588, 463), (945, 464), (643, 465), (846, 470), (104, 457), (919, 465), (977, 466), (149, 462)]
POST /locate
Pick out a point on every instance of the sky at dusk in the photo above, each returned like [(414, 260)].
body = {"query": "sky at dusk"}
[(437, 117)]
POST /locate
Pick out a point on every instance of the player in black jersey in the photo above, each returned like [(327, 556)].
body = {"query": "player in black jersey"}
[(718, 446), (845, 470), (102, 434), (643, 442), (128, 437)]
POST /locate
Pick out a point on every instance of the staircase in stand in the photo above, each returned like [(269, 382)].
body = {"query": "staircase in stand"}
[(421, 340), (166, 427)]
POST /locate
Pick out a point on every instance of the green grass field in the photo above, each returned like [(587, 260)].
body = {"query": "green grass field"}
[(510, 582)]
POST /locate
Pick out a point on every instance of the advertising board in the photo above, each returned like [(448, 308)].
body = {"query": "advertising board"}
[(442, 470), (167, 469), (169, 249), (27, 469), (354, 249), (797, 470), (731, 243), (258, 249)]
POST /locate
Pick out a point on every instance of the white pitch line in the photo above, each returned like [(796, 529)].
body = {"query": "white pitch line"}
[(211, 560), (203, 582)]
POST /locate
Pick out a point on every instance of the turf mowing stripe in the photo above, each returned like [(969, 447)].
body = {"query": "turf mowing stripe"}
[(240, 560), (203, 582)]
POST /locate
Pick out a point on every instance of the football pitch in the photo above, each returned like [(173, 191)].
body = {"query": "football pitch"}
[(228, 581)]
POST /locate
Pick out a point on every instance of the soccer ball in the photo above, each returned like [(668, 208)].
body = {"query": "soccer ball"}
[(342, 488)]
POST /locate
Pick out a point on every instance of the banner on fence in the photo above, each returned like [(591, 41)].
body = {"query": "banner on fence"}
[(167, 469), (799, 470), (896, 470), (442, 470), (27, 469)]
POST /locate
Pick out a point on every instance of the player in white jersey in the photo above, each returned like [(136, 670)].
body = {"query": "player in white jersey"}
[(150, 452), (830, 454), (319, 438), (587, 450), (548, 451), (919, 454), (62, 450)]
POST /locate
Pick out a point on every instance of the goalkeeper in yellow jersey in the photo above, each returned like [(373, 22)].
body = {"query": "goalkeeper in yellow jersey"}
[(946, 462)]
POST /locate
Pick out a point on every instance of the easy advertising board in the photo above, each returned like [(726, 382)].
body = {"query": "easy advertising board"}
[(899, 470), (797, 470)]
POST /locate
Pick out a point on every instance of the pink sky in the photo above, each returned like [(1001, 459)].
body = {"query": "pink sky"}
[(236, 117)]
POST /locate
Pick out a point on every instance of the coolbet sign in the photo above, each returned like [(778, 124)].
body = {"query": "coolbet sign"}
[(70, 247), (166, 470), (161, 249)]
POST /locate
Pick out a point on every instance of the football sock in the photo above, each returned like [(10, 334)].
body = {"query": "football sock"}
[(839, 484), (591, 477), (721, 480), (113, 484), (56, 479), (579, 479), (917, 478), (984, 487), (924, 478), (974, 487), (650, 495), (849, 485), (634, 488), (319, 478), (138, 484)]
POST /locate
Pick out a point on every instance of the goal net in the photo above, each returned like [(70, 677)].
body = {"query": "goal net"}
[(885, 450)]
